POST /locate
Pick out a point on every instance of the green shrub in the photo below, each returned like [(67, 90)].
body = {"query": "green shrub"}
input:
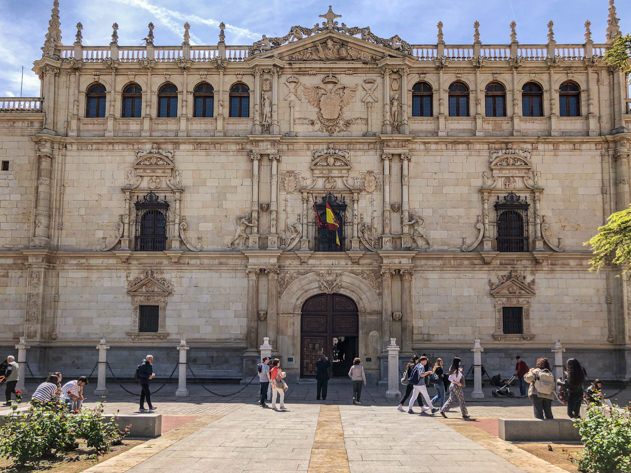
[(606, 435), (45, 430)]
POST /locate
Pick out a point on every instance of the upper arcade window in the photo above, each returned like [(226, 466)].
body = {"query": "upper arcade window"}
[(239, 101), (330, 216), (95, 101), (422, 100), (167, 101), (458, 100), (512, 223), (532, 100), (151, 223), (132, 101), (495, 102), (204, 97), (569, 99)]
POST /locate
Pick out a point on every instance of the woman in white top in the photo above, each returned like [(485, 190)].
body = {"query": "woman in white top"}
[(455, 389)]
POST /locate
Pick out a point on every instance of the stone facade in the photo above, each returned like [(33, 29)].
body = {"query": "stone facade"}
[(330, 112)]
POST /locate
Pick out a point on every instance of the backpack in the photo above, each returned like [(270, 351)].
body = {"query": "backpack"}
[(544, 384), (562, 394), (434, 378), (137, 373), (414, 378), (259, 367)]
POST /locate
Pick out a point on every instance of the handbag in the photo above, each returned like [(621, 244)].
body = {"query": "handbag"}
[(404, 378), (285, 387)]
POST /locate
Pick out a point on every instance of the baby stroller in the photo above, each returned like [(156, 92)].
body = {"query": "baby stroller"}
[(503, 386)]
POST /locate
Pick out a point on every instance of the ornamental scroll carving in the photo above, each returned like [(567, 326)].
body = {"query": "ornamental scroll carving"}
[(329, 282), (510, 169)]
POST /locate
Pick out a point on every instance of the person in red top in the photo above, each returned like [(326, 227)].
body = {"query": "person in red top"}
[(521, 368)]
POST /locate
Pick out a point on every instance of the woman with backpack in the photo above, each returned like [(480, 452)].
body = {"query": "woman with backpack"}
[(455, 390), (404, 381), (574, 380), (278, 384), (437, 379), (541, 390)]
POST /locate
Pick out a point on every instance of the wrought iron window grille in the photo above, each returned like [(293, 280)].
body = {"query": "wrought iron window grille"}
[(512, 223), (151, 223)]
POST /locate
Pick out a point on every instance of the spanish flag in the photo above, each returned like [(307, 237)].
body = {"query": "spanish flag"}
[(333, 224)]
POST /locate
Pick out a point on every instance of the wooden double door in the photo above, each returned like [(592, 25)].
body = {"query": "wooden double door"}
[(329, 325)]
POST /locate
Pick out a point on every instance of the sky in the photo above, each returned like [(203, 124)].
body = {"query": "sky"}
[(23, 23)]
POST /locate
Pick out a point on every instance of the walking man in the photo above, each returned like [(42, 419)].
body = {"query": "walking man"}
[(11, 378), (145, 374), (263, 369), (322, 377), (417, 379), (521, 368)]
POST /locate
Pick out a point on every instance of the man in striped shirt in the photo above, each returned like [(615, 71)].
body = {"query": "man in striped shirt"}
[(47, 391)]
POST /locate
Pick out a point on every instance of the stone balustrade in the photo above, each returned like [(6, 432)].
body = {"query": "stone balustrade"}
[(20, 104)]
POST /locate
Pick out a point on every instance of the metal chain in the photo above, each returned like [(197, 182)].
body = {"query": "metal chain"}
[(214, 393), (138, 394), (92, 372)]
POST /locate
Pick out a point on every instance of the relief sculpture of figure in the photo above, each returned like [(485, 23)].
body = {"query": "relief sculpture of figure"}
[(240, 235), (367, 235), (395, 111), (266, 118), (418, 235), (293, 236)]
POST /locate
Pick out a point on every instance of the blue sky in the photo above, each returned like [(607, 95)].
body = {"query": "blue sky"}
[(23, 24)]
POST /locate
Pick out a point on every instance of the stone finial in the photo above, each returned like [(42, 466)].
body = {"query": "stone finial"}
[(440, 32), (222, 34), (550, 32), (187, 34), (79, 36), (476, 32), (588, 31), (613, 27), (149, 38), (114, 34), (52, 44), (513, 32), (330, 17)]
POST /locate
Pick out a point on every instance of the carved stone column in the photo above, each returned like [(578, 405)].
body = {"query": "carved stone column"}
[(405, 192), (386, 314), (174, 236), (486, 241), (479, 130), (184, 104), (272, 241), (553, 96), (41, 234), (304, 240), (254, 208), (275, 129), (50, 74), (257, 100), (387, 240), (407, 319), (252, 308), (404, 129), (147, 94), (537, 219), (272, 304), (621, 158), (386, 102), (355, 239), (442, 122), (111, 95), (220, 109), (517, 111)]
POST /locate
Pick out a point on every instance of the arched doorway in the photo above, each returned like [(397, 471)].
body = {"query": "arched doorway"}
[(329, 325)]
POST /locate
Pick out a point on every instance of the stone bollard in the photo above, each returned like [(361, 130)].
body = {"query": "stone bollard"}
[(181, 379), (558, 350), (21, 348), (266, 350), (101, 388), (393, 370), (477, 370)]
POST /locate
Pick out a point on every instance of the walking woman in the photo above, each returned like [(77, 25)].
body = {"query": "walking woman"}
[(357, 375), (574, 379), (541, 389), (278, 385), (408, 387), (439, 383), (455, 389)]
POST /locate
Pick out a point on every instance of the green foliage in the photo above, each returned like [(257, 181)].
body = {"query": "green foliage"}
[(45, 430), (612, 243), (619, 53), (606, 435)]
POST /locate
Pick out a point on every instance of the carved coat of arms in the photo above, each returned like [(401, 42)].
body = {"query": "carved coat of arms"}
[(330, 100)]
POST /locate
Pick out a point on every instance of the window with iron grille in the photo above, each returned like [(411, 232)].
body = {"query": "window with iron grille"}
[(151, 223), (148, 318), (512, 223), (513, 320), (325, 236)]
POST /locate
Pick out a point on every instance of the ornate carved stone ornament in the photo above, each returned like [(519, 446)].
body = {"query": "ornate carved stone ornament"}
[(149, 284), (368, 235), (394, 44), (241, 236), (118, 234), (329, 282), (149, 289), (330, 100), (330, 162), (331, 50), (417, 239), (512, 290), (511, 168), (479, 226), (372, 277), (291, 237)]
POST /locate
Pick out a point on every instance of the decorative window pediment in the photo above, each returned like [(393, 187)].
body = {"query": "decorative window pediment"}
[(512, 290), (511, 168), (149, 290), (150, 285), (330, 162)]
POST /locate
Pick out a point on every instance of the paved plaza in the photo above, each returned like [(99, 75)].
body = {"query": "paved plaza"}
[(204, 433)]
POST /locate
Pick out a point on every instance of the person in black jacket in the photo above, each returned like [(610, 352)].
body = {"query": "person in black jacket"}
[(322, 376), (575, 380), (145, 374)]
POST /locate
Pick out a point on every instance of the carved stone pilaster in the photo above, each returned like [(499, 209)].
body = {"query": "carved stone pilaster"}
[(41, 231)]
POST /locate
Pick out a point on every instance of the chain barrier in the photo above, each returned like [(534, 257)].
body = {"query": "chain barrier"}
[(214, 393), (29, 369), (92, 372), (138, 394)]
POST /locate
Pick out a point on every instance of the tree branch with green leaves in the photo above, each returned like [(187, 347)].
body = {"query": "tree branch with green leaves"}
[(612, 243), (619, 53)]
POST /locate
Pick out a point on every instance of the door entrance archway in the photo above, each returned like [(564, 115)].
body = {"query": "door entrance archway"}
[(329, 324)]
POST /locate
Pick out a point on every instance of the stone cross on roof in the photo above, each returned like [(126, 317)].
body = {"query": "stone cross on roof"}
[(330, 18)]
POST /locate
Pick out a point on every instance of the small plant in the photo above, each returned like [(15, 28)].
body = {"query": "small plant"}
[(606, 435)]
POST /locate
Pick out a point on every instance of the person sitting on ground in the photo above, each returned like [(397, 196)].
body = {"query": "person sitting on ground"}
[(72, 393), (541, 390), (47, 391)]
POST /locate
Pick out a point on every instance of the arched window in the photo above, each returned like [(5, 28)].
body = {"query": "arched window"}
[(204, 97), (167, 101), (569, 100), (151, 223), (95, 101), (512, 223), (422, 100), (495, 102), (239, 101), (532, 100), (132, 101), (458, 100)]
